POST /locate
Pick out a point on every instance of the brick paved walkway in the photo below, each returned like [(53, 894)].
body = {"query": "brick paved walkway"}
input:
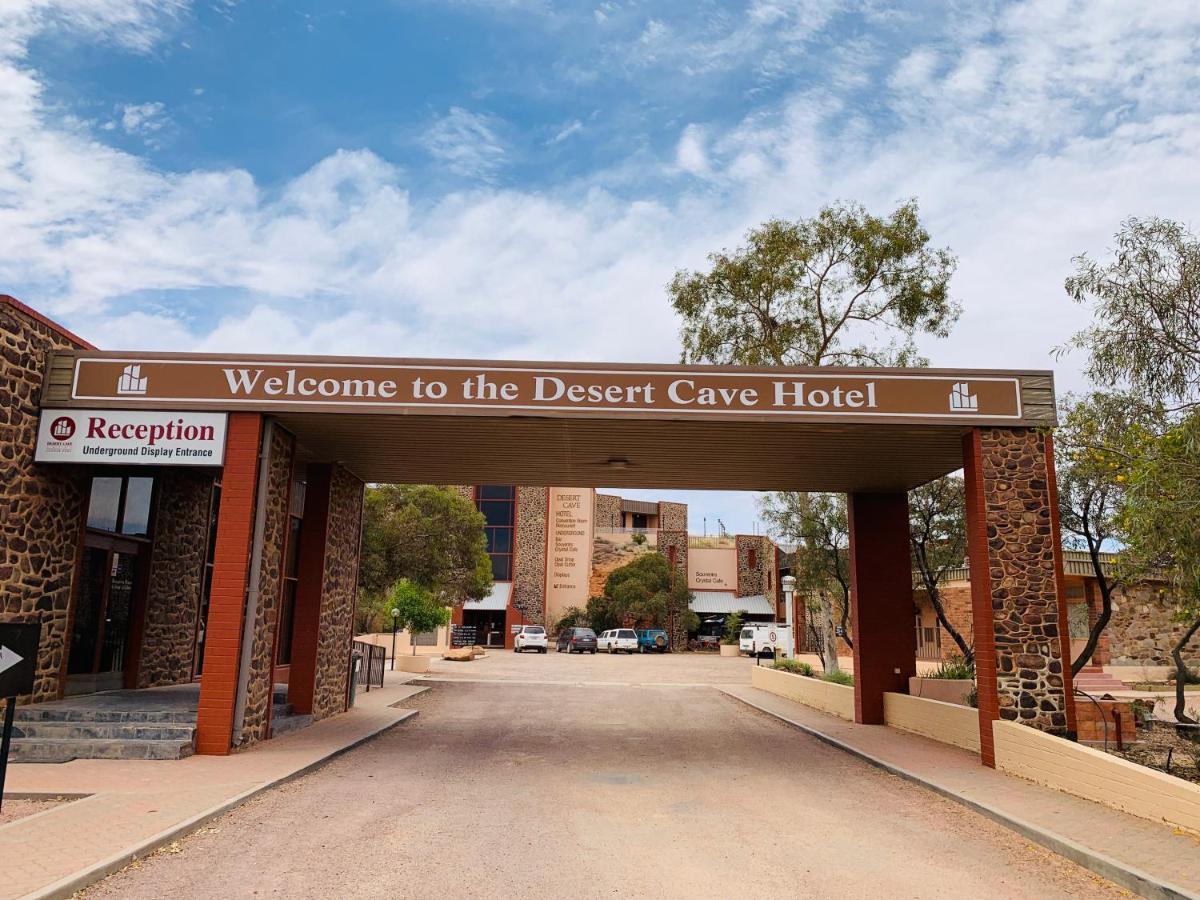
[(133, 802), (1170, 856)]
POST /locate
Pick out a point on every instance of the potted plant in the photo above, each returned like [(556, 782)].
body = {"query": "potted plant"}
[(732, 635), (951, 682)]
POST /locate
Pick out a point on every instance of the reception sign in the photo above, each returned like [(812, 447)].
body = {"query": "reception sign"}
[(518, 388), (131, 437)]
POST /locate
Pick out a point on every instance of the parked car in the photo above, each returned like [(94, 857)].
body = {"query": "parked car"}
[(582, 640), (531, 637), (652, 640), (618, 640)]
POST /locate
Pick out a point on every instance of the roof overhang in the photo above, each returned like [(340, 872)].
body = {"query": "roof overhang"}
[(542, 423)]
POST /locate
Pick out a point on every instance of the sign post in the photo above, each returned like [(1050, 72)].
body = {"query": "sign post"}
[(18, 666)]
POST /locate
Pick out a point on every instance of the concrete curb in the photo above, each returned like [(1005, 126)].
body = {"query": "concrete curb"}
[(76, 881), (1132, 879)]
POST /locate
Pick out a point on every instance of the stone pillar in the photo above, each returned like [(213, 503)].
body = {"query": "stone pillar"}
[(674, 546), (176, 577), (1018, 603), (881, 603), (339, 592), (227, 597)]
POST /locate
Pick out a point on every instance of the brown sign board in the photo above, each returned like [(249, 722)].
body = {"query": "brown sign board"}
[(320, 384)]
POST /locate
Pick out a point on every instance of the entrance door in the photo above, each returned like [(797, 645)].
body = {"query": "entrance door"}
[(100, 633)]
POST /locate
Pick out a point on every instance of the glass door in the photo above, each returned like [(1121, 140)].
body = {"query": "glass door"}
[(103, 609)]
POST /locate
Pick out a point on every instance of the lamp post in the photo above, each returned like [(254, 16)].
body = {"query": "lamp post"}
[(788, 583), (395, 628)]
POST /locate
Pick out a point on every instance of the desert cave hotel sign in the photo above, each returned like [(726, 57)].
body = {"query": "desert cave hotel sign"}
[(443, 387)]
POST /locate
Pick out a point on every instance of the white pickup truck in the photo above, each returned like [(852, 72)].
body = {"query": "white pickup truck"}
[(767, 640)]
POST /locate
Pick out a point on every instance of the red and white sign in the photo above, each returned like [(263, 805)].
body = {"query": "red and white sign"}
[(131, 437)]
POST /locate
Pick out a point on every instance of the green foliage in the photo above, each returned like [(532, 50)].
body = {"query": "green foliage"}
[(819, 291), (645, 591), (1146, 307), (839, 677), (1146, 338), (432, 536), (956, 667), (937, 532), (733, 628), (415, 608), (572, 617), (639, 538), (795, 666)]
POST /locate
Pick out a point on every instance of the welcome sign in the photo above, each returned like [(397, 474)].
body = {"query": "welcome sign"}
[(521, 388)]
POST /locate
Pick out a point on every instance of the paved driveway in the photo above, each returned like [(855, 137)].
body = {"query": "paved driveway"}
[(567, 790), (620, 668)]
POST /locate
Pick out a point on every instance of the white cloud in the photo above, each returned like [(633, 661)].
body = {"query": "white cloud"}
[(467, 143), (143, 118), (571, 129), (690, 153)]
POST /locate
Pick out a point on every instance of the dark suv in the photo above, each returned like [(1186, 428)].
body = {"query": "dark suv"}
[(572, 639)]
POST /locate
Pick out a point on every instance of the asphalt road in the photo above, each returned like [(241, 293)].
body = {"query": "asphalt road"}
[(535, 790)]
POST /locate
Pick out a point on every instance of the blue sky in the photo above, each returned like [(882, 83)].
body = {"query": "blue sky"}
[(520, 178)]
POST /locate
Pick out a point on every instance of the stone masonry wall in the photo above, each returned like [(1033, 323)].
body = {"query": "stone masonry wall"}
[(41, 506), (607, 514), (759, 578), (672, 516), (1142, 630), (529, 564), (255, 722), (176, 577), (338, 594), (1020, 554), (676, 542)]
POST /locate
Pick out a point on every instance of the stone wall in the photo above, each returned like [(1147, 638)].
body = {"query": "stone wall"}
[(675, 543), (607, 514), (1021, 569), (41, 506), (256, 721), (1143, 630), (338, 594), (176, 577), (761, 577), (672, 516), (529, 564)]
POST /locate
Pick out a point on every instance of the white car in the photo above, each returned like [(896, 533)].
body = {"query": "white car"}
[(766, 640), (530, 637), (618, 640)]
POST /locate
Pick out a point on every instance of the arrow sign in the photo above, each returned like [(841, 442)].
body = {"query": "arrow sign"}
[(8, 658), (18, 657)]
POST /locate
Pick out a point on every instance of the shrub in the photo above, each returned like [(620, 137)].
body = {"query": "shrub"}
[(639, 538), (795, 666), (973, 698), (733, 628), (839, 677), (954, 668)]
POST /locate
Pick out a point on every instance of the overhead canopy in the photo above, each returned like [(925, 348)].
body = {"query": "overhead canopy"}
[(473, 422), (724, 602), (496, 600)]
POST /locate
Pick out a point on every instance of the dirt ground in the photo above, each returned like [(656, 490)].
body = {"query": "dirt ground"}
[(11, 810), (563, 790), (1160, 743)]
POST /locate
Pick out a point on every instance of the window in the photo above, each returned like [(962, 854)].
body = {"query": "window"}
[(498, 503), (121, 505), (752, 558)]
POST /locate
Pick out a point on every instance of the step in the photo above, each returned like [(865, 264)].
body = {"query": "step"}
[(91, 731), (36, 750), (285, 724), (281, 711), (87, 714)]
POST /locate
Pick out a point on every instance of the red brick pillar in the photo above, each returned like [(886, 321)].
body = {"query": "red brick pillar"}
[(310, 583), (1017, 599), (227, 600), (885, 643)]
